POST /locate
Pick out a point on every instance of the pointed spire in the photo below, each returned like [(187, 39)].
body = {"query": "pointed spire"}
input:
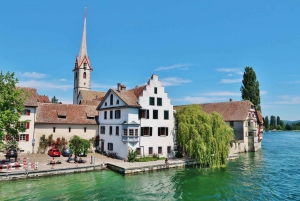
[(83, 48)]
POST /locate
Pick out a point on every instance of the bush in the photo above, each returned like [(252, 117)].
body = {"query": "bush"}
[(131, 155), (178, 155), (156, 156)]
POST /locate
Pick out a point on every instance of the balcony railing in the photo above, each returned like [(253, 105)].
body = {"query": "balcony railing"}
[(130, 138)]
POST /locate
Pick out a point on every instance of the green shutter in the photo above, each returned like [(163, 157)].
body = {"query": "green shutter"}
[(147, 114), (150, 131), (167, 130), (158, 131), (142, 131)]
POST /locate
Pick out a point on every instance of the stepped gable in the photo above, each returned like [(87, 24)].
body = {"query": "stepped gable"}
[(92, 95), (50, 113), (43, 99), (230, 111), (31, 99)]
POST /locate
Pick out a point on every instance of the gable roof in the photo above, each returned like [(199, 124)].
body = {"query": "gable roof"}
[(91, 95), (43, 99), (230, 111), (74, 114), (31, 99), (90, 102)]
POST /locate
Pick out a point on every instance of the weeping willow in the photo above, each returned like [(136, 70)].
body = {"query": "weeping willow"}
[(202, 136)]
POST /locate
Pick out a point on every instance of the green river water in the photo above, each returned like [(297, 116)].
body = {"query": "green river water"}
[(272, 173)]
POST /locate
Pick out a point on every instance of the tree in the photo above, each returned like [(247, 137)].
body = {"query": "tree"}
[(203, 137), (273, 122), (277, 120), (288, 127), (79, 145), (250, 88), (266, 123), (54, 100), (11, 107)]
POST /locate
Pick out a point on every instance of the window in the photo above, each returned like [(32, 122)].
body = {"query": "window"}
[(25, 125), (24, 137), (163, 131), (231, 123), (155, 90), (166, 114), (102, 129), (169, 149), (111, 99), (136, 132), (111, 114), (159, 101), (117, 130), (105, 103), (69, 129), (105, 114), (125, 132), (110, 146), (150, 150), (84, 66), (159, 151), (53, 129), (84, 129), (138, 151), (151, 101), (26, 112), (117, 102), (146, 131), (144, 114), (117, 114), (155, 114), (130, 132), (110, 130), (84, 75)]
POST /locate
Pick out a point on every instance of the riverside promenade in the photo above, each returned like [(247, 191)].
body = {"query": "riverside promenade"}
[(44, 169)]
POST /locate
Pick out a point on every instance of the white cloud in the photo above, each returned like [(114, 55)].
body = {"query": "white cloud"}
[(288, 100), (63, 80), (263, 92), (173, 81), (229, 81), (45, 85), (222, 93), (231, 70), (199, 99), (178, 66), (33, 75)]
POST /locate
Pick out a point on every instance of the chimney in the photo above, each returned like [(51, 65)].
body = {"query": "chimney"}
[(230, 100), (119, 86)]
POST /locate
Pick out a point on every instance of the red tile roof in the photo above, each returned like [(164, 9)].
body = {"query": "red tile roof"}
[(128, 96), (31, 99), (91, 95), (91, 102), (230, 111), (74, 114), (43, 99)]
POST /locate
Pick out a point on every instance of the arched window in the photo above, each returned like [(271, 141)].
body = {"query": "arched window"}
[(84, 75), (111, 99)]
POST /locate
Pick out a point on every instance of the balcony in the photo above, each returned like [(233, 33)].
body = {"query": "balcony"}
[(130, 138)]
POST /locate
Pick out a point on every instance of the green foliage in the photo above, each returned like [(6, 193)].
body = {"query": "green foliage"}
[(11, 107), (203, 137), (131, 155), (178, 155), (266, 123), (155, 156), (149, 158), (60, 143), (273, 122), (250, 88), (78, 145), (43, 144), (54, 100), (288, 127)]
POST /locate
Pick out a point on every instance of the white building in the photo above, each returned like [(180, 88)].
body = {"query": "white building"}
[(140, 119)]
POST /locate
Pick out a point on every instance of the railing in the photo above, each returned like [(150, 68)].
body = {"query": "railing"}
[(130, 138)]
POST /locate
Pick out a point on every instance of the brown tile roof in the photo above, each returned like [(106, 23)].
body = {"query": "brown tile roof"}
[(91, 102), (128, 96), (230, 111), (138, 90), (75, 114), (260, 117), (91, 95), (43, 99), (31, 100)]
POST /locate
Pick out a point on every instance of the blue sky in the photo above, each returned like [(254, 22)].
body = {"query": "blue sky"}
[(198, 49)]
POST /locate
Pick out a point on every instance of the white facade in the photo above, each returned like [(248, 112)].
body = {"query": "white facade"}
[(25, 138), (139, 125)]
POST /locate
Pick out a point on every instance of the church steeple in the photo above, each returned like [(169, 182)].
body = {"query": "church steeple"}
[(82, 69)]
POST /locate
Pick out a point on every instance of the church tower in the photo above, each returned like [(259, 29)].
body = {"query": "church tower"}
[(82, 70)]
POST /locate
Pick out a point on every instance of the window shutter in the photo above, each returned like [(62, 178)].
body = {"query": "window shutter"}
[(27, 137), (27, 125), (147, 114), (167, 131), (142, 131), (18, 138), (6, 137), (28, 112), (150, 131), (158, 131), (140, 114)]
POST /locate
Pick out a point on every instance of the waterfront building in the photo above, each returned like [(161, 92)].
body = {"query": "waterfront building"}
[(140, 119)]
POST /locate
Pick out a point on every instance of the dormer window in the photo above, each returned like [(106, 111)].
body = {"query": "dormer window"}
[(84, 75), (105, 103)]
